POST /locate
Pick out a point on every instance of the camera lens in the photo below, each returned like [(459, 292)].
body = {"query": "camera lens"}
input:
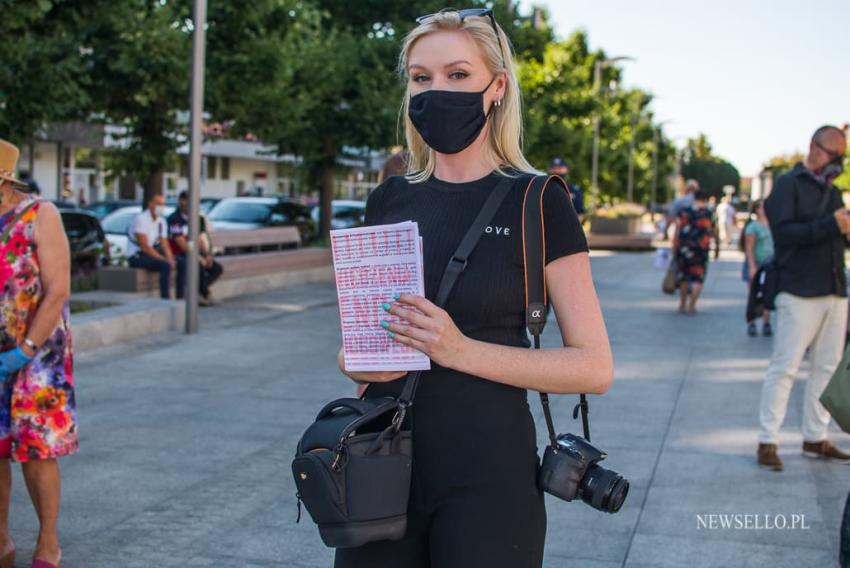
[(603, 489)]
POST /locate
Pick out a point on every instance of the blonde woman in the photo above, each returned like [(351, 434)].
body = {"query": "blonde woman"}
[(474, 500)]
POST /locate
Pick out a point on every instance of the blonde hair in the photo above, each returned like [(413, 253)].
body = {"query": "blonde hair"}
[(503, 146)]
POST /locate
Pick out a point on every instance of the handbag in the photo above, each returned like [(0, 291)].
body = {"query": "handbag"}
[(353, 465), (836, 395), (668, 285), (769, 281), (570, 467)]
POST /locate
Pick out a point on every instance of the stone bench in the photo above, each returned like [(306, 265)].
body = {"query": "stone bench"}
[(253, 260)]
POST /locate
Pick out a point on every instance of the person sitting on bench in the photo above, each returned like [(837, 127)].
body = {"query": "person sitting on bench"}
[(146, 247)]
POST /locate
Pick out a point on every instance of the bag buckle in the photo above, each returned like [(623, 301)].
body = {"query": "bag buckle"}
[(340, 453), (462, 261), (398, 419)]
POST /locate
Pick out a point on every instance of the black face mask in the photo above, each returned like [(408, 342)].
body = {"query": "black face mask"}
[(832, 170), (448, 121)]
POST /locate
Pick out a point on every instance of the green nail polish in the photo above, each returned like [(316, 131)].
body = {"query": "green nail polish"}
[(386, 307), (396, 296), (385, 325), (391, 334)]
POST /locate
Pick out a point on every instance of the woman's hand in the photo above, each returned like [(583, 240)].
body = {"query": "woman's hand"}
[(432, 331), (364, 377)]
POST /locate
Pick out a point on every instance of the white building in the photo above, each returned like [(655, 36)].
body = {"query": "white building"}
[(67, 163)]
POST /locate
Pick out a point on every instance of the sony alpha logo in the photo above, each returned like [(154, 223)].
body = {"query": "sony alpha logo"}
[(537, 313), (502, 231)]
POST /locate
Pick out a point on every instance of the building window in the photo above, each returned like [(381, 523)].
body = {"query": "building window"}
[(225, 168), (211, 163)]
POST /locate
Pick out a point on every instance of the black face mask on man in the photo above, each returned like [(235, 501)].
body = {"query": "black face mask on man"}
[(830, 171), (449, 121)]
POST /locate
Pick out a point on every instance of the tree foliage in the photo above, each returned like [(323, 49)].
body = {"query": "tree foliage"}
[(561, 101), (316, 78), (712, 172), (42, 69)]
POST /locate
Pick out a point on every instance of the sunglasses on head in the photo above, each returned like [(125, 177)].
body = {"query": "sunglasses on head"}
[(467, 13)]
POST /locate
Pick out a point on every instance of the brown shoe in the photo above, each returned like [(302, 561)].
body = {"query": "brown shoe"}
[(769, 458), (825, 450)]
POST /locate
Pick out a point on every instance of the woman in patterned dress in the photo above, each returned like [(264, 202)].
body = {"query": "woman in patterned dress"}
[(695, 230), (37, 404)]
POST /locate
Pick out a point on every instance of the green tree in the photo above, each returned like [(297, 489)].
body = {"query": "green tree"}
[(560, 104), (139, 70), (712, 172), (335, 91), (42, 66)]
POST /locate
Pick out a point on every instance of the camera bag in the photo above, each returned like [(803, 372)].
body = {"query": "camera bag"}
[(353, 465)]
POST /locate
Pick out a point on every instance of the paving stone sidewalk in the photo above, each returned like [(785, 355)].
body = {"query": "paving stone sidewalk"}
[(186, 441)]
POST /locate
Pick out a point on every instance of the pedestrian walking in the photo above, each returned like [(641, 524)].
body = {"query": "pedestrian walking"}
[(726, 220), (474, 497), (810, 227), (695, 229), (757, 243), (38, 418)]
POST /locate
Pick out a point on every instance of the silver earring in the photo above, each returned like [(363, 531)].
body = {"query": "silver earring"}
[(498, 102)]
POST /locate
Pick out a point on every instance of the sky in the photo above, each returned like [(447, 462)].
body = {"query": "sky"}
[(756, 76)]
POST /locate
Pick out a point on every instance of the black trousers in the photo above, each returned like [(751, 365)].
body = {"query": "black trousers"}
[(206, 276), (474, 500)]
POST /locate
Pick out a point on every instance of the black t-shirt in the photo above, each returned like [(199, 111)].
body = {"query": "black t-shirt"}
[(488, 301), (468, 429)]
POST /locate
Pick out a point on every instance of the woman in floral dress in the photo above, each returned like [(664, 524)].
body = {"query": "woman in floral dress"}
[(37, 404), (695, 230)]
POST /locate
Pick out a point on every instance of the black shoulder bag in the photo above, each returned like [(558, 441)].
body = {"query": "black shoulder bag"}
[(767, 278), (351, 470), (570, 464)]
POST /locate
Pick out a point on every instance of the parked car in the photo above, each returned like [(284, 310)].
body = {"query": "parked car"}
[(235, 213), (116, 225), (345, 214), (88, 243), (207, 204), (61, 204), (103, 208)]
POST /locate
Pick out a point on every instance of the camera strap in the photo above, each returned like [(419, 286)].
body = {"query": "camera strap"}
[(457, 264), (536, 302)]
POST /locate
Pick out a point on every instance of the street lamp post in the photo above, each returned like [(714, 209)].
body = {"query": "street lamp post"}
[(656, 136), (594, 167), (199, 21), (630, 184)]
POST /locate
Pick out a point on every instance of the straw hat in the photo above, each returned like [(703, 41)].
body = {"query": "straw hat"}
[(9, 154)]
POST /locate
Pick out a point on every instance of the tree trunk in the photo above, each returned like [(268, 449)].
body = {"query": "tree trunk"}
[(153, 187), (326, 194)]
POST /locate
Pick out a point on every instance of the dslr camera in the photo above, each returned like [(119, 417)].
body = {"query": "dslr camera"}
[(570, 469)]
